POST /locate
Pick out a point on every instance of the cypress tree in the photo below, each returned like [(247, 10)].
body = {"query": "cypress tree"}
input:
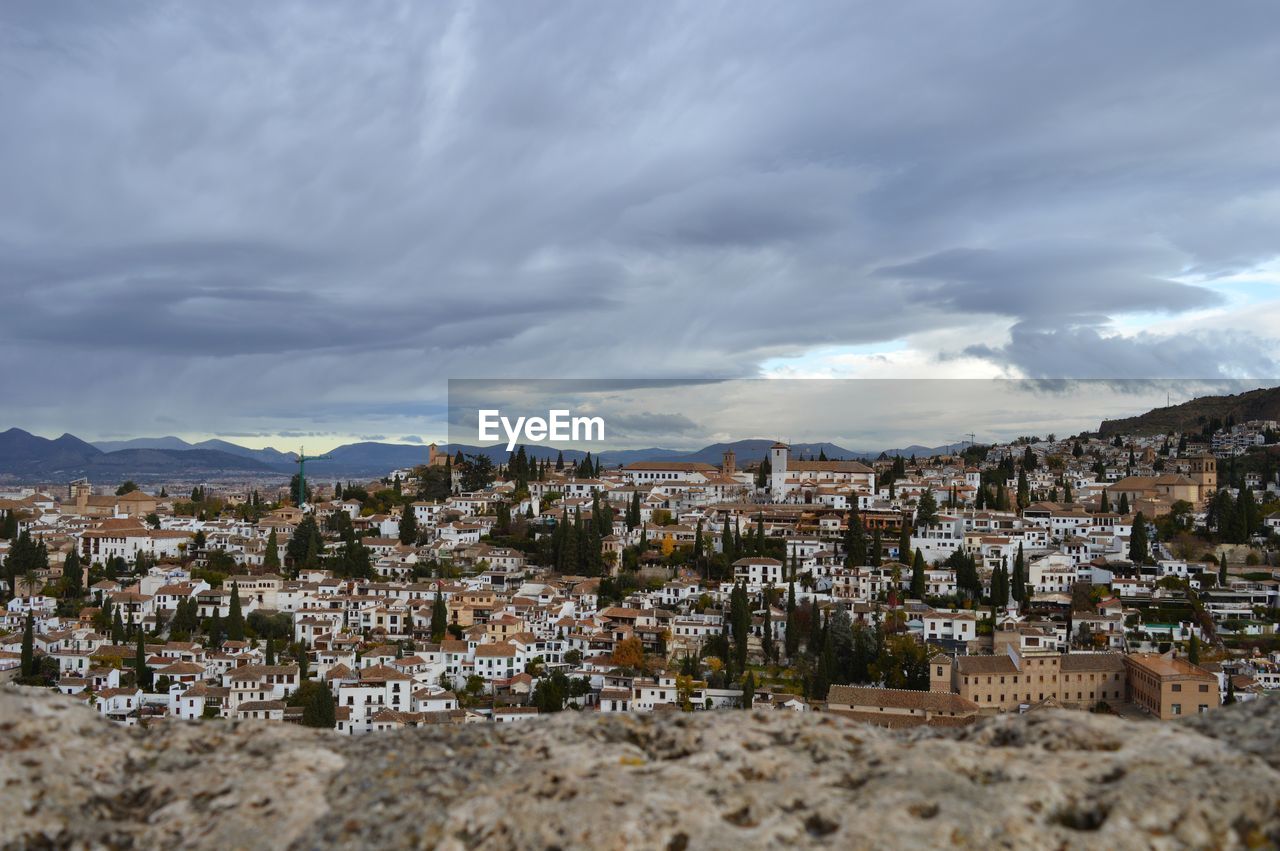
[(904, 541), (216, 632), (766, 641), (408, 525), (855, 541), (28, 662), (917, 576), (72, 576), (269, 658), (439, 618), (1139, 548), (140, 663), (271, 560), (876, 549), (235, 617), (791, 642), (1020, 577), (814, 642)]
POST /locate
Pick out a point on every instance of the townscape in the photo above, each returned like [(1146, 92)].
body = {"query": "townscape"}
[(1117, 573)]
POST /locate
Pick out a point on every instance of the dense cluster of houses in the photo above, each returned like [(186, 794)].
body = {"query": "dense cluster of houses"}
[(513, 622)]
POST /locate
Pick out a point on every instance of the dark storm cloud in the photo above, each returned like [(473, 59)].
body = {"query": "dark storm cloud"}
[(285, 214), (1041, 353)]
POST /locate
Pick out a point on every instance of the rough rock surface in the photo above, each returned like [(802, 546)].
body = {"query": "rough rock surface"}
[(714, 780)]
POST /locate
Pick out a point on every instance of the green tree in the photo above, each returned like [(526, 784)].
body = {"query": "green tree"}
[(72, 576), (791, 641), (319, 709), (926, 510), (917, 576), (748, 690), (128, 487), (477, 472), (271, 559), (408, 525), (1139, 547), (439, 618), (766, 641), (140, 668), (1019, 580), (855, 541), (235, 617), (9, 525), (305, 546), (28, 658)]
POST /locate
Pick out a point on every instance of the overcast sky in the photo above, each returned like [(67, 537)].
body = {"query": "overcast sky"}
[(284, 222)]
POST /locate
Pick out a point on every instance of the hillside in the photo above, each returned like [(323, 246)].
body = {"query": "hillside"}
[(1260, 404), (25, 454), (28, 457), (769, 779)]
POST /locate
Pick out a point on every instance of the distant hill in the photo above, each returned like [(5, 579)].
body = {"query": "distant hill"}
[(25, 456), (1260, 404), (155, 463), (267, 456), (142, 443)]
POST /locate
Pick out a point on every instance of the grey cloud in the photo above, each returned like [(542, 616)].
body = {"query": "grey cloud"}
[(1050, 280), (651, 423), (1042, 353), (299, 214)]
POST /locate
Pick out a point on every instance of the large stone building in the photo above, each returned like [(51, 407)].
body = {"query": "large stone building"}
[(1009, 681), (1169, 686), (799, 481), (1157, 494), (894, 708)]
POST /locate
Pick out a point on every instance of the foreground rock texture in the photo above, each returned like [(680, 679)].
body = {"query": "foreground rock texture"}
[(709, 780)]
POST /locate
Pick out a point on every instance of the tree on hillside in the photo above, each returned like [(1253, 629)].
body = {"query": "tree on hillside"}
[(917, 576), (439, 618), (271, 559), (1139, 547), (408, 525), (28, 655), (72, 576), (235, 617), (142, 672), (926, 511)]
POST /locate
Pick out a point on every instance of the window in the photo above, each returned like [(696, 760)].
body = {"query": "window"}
[(1177, 686), (1177, 708)]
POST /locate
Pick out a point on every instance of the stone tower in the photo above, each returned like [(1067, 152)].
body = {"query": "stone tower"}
[(940, 672), (729, 465), (1204, 472), (778, 471)]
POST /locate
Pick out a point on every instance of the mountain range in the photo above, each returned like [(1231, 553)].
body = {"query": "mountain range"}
[(28, 457)]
